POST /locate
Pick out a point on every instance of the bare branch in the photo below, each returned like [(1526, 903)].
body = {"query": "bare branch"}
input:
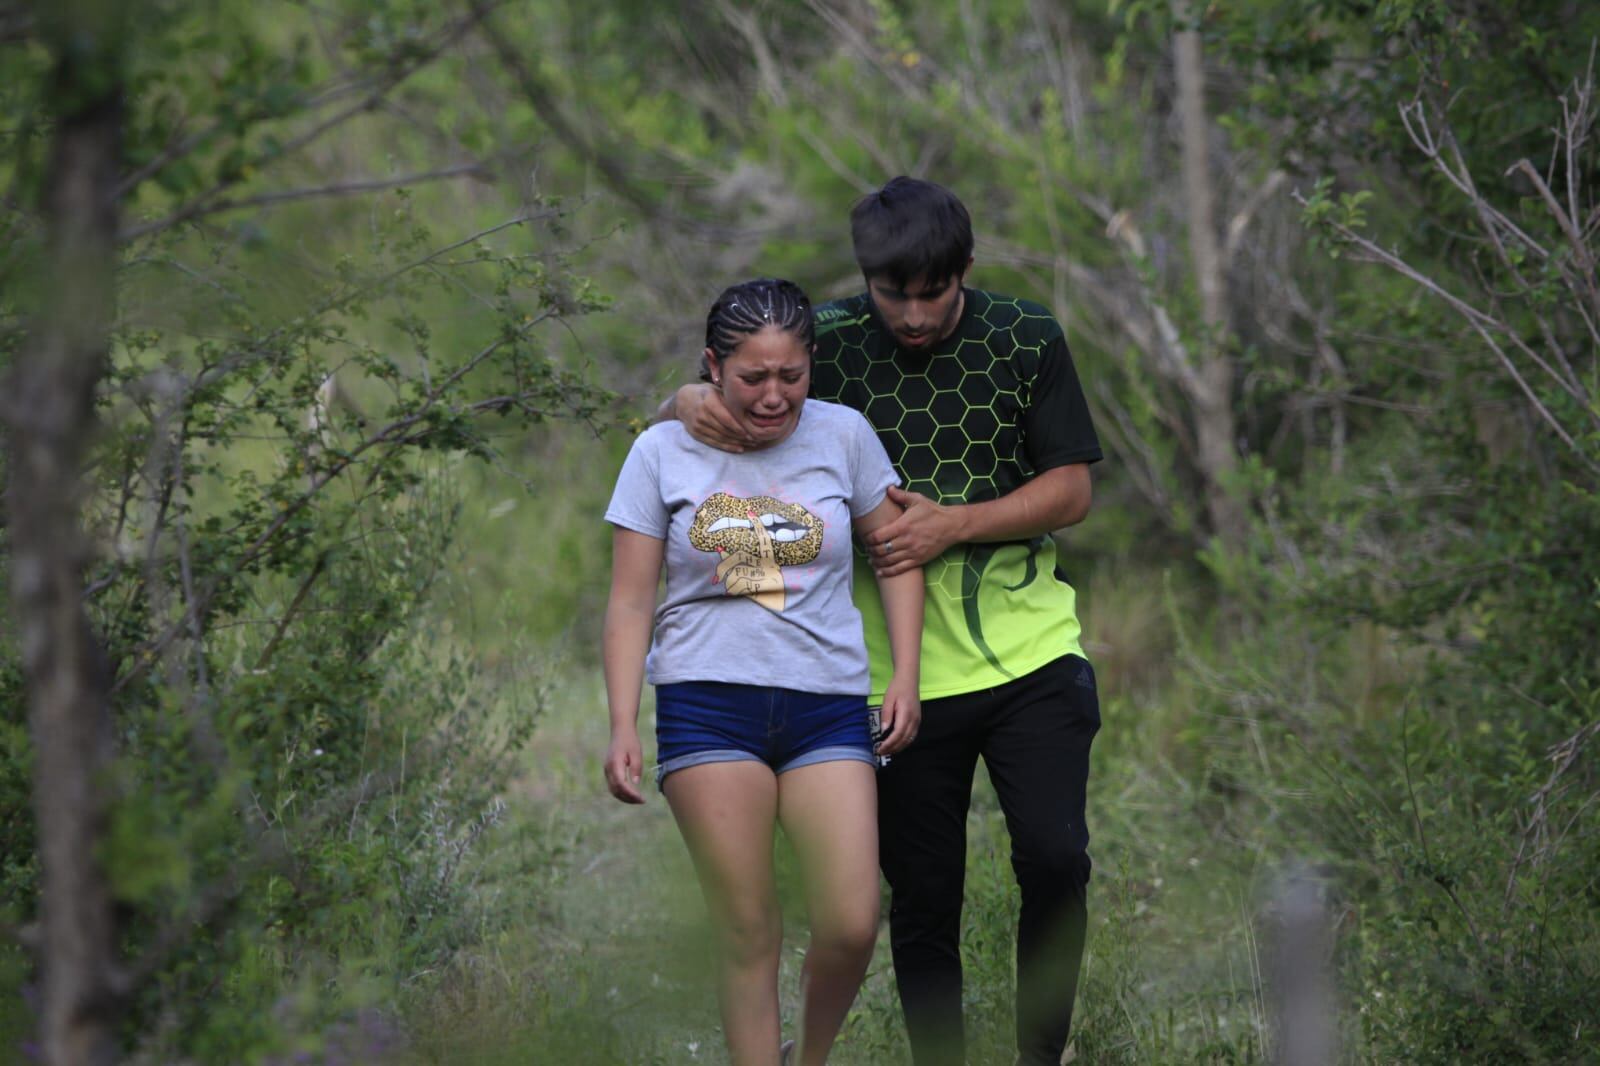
[(176, 148), (163, 473), (748, 27), (824, 151), (1061, 72), (293, 609), (1577, 120), (1564, 755), (397, 433), (1413, 117), (180, 145), (1259, 197), (1143, 464), (385, 85), (200, 209), (265, 345), (1492, 221), (906, 88), (1170, 354), (1484, 325), (1562, 218), (544, 100)]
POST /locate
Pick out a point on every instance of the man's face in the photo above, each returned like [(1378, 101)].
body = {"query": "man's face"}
[(921, 313)]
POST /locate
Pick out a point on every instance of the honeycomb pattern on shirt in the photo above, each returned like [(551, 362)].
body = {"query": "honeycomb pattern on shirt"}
[(952, 421), (949, 422)]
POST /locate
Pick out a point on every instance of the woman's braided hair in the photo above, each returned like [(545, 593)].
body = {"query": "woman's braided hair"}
[(750, 307)]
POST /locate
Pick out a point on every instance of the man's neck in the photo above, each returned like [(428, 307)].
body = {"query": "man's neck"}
[(955, 319)]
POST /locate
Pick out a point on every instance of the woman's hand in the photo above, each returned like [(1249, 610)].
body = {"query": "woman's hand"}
[(624, 766), (901, 716)]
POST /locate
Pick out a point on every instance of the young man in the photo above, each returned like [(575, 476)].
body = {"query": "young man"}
[(975, 398)]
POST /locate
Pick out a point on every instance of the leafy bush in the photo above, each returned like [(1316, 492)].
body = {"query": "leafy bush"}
[(306, 761)]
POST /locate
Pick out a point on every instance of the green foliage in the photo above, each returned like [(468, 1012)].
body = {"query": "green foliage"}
[(308, 761), (328, 447), (1328, 216)]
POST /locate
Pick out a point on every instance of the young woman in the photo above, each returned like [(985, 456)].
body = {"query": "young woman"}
[(759, 662)]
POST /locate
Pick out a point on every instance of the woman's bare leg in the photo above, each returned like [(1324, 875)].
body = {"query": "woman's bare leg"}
[(829, 812), (726, 812)]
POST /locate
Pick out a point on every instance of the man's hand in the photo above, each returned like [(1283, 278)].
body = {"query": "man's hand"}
[(923, 533), (708, 420)]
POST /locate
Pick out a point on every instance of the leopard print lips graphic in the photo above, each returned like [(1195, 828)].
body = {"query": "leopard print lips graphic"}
[(723, 523), (756, 537)]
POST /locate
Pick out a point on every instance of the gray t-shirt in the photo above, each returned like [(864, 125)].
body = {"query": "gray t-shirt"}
[(758, 551)]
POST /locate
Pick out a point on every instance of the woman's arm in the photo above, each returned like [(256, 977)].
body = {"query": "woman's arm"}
[(630, 615), (902, 610)]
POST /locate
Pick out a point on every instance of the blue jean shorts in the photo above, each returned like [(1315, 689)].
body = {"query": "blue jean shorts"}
[(715, 721)]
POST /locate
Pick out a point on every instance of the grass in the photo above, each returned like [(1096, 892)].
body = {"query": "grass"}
[(595, 946), (599, 949), (586, 939)]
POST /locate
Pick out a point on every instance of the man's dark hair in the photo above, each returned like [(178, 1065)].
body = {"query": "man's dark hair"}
[(911, 229), (751, 306)]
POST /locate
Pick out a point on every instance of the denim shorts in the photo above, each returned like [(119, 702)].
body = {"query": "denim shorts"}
[(715, 721)]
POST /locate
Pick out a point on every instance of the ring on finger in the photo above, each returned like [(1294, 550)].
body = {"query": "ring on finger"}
[(888, 546)]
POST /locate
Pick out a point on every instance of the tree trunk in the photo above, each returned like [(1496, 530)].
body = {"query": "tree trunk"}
[(1216, 453), (49, 402)]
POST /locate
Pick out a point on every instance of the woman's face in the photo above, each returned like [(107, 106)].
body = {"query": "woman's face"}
[(764, 382)]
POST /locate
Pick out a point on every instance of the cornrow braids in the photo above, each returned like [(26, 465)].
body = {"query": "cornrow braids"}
[(750, 307)]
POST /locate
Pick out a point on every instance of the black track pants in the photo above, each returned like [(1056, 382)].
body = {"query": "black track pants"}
[(1034, 735)]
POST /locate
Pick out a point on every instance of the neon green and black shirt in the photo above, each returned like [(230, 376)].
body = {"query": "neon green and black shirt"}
[(989, 407)]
